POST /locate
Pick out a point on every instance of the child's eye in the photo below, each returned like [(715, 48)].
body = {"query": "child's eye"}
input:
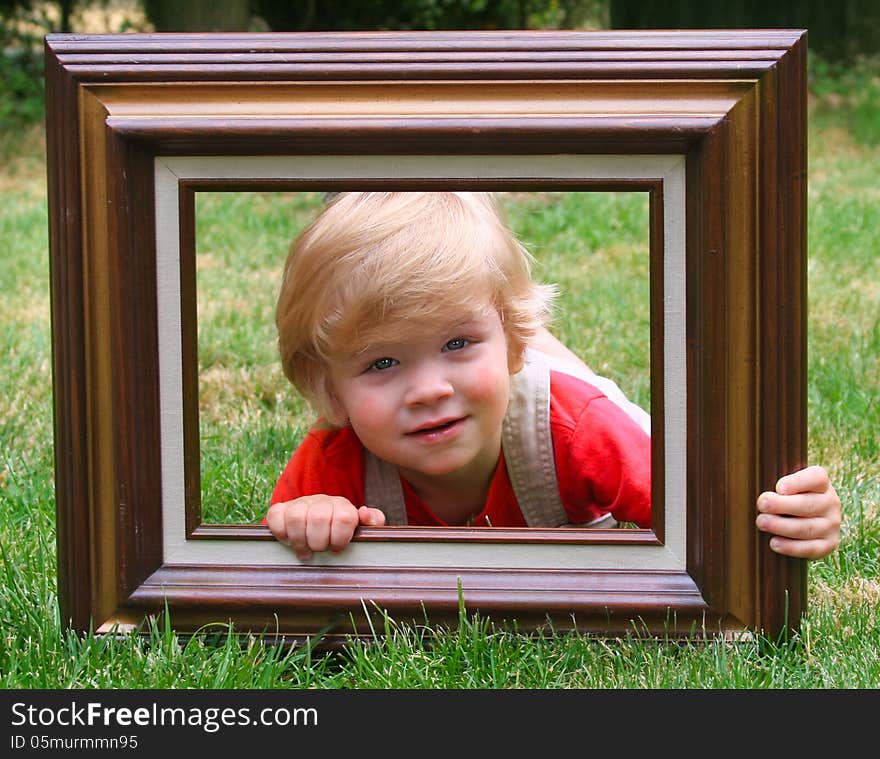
[(382, 363), (456, 345)]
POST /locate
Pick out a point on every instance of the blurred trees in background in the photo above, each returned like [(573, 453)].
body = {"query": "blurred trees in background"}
[(22, 25), (198, 16), (837, 31), (841, 34), (365, 15)]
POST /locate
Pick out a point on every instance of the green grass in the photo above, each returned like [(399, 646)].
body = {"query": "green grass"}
[(251, 421)]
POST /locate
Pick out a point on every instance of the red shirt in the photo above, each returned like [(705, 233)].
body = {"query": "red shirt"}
[(603, 465)]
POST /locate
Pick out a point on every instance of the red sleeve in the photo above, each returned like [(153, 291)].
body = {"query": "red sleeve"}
[(328, 462), (603, 460)]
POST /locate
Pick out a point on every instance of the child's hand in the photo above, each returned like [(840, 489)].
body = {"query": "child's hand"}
[(318, 522), (803, 514)]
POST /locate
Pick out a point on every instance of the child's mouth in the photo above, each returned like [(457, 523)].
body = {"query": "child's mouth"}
[(436, 428)]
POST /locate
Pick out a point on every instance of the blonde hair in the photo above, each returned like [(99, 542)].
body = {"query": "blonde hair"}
[(378, 265)]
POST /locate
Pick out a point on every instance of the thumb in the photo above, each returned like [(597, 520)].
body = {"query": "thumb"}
[(370, 517)]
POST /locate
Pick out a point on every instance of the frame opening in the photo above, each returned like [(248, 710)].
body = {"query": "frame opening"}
[(594, 246)]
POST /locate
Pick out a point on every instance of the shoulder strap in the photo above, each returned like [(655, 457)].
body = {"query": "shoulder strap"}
[(528, 446), (382, 489), (532, 465)]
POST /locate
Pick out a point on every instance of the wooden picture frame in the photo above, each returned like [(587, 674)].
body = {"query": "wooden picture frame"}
[(710, 124)]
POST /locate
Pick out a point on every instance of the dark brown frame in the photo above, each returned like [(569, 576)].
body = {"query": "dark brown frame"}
[(732, 103)]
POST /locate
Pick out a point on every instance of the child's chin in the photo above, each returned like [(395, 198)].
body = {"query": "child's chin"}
[(436, 466), (441, 468)]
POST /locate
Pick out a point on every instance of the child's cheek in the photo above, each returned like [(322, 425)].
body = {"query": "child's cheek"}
[(374, 411), (371, 414), (491, 386)]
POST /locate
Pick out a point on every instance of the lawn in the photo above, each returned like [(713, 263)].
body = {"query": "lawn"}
[(250, 420)]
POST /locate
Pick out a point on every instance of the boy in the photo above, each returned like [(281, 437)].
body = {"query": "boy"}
[(410, 322)]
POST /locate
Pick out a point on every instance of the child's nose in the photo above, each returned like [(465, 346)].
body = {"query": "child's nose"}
[(427, 385)]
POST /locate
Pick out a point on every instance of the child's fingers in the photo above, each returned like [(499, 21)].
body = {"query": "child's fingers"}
[(799, 528), (812, 479), (800, 505), (318, 521), (295, 525), (808, 538), (802, 549), (287, 522), (344, 521), (314, 523), (370, 517), (275, 520)]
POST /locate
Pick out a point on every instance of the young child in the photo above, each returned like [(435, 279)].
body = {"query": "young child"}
[(411, 323)]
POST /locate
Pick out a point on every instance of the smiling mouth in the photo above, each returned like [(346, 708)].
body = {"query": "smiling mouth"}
[(434, 428)]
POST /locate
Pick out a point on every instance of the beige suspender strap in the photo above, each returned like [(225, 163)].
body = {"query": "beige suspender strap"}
[(528, 446), (552, 511), (382, 489)]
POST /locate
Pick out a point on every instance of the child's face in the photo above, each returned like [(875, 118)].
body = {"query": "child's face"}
[(431, 405)]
